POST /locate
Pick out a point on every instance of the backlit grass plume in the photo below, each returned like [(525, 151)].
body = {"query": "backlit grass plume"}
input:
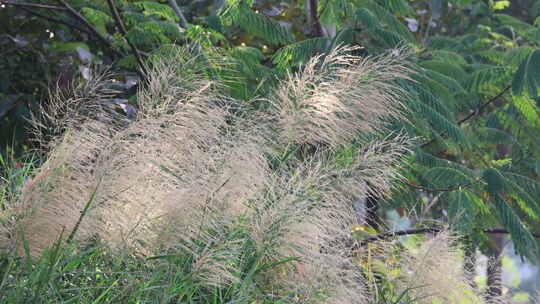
[(336, 97), (206, 194)]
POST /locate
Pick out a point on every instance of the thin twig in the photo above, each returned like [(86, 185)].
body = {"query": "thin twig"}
[(182, 21), (123, 31), (472, 114), (449, 189), (480, 108), (55, 20), (391, 234), (89, 25), (33, 5)]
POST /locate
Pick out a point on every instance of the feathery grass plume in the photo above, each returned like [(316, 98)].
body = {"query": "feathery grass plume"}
[(378, 164), (300, 216), (336, 97), (147, 176), (65, 109), (177, 73), (434, 272), (82, 124), (180, 154), (176, 165)]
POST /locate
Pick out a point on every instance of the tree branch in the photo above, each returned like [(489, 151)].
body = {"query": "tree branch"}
[(473, 114), (483, 106), (123, 31), (32, 5), (454, 188), (55, 20), (391, 234), (89, 25), (182, 19)]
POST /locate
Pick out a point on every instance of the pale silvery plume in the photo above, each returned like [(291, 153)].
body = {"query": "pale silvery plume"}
[(302, 216), (434, 272), (78, 126), (336, 97), (147, 178)]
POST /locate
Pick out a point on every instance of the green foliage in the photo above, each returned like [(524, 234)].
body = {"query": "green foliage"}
[(527, 77), (152, 8)]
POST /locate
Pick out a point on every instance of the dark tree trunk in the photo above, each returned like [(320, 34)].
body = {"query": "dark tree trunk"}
[(494, 267), (469, 264), (315, 28), (367, 209)]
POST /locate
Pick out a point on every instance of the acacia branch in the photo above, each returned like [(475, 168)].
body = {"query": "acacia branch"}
[(55, 20), (473, 114), (483, 106), (32, 5), (123, 31), (89, 25), (391, 234), (449, 189)]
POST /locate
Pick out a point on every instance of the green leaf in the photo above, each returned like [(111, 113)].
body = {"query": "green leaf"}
[(98, 18), (462, 209), (399, 7), (151, 8), (430, 161), (385, 17), (451, 70), (371, 23), (495, 181), (448, 57), (444, 177), (524, 241), (486, 78), (300, 52), (263, 27), (518, 25), (500, 5), (527, 108), (527, 77)]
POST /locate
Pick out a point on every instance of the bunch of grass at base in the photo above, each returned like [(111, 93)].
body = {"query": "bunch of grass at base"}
[(190, 179)]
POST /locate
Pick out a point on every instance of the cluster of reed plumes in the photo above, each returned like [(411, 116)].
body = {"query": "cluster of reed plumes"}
[(252, 198)]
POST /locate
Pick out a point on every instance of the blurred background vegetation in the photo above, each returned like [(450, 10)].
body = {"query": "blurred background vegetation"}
[(473, 104)]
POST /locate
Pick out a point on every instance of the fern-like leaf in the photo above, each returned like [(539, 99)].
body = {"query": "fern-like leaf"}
[(98, 18), (463, 207), (519, 26), (370, 22), (263, 27), (431, 161), (445, 177), (300, 52), (487, 77), (151, 8), (527, 77), (399, 7), (393, 24), (527, 108), (524, 241)]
